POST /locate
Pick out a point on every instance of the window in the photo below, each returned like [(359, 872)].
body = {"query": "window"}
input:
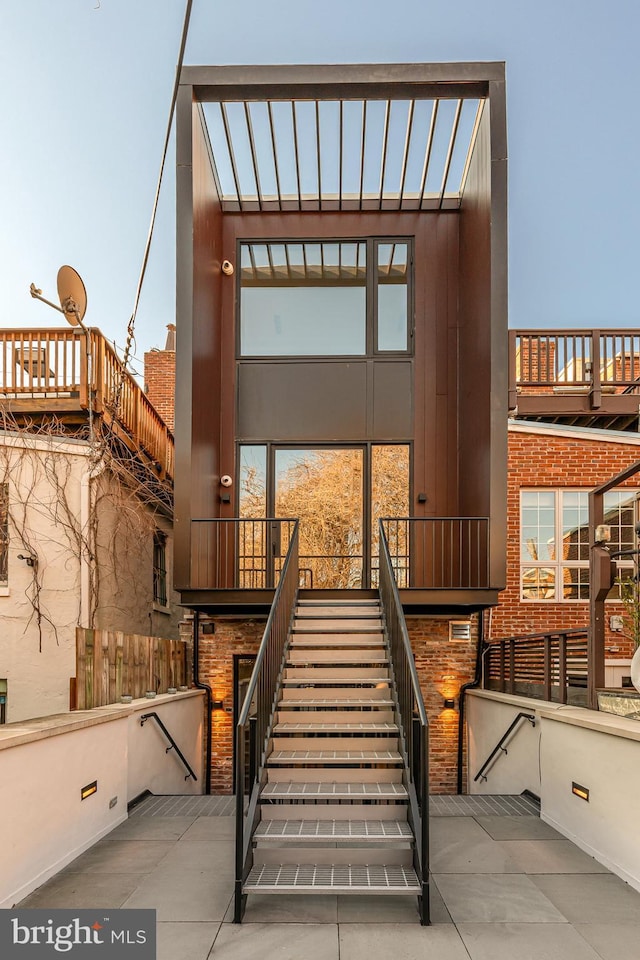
[(3, 701), (160, 568), (4, 534), (554, 540), (311, 299)]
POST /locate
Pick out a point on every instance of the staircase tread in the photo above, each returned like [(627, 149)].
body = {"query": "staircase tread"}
[(321, 702), (349, 681), (335, 756), (348, 830), (333, 878), (286, 788), (323, 726)]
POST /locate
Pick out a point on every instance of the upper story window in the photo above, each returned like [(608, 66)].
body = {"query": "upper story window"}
[(554, 540), (160, 568), (324, 299)]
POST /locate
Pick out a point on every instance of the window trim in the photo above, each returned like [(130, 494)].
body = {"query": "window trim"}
[(160, 573)]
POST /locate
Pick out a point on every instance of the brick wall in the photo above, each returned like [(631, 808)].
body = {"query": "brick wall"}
[(160, 382), (435, 657), (541, 460)]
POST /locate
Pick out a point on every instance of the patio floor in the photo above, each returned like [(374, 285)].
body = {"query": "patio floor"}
[(505, 887)]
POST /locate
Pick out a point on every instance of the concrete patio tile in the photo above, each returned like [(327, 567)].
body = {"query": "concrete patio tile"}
[(264, 908), (379, 941), (185, 941), (217, 857), (550, 856), (276, 941), (588, 898), (471, 856), (151, 828), (489, 898), (518, 828), (524, 941), (188, 896), (124, 856), (211, 828), (78, 891), (445, 830), (372, 909), (613, 941)]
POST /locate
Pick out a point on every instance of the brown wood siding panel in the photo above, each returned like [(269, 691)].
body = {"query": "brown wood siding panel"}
[(483, 335)]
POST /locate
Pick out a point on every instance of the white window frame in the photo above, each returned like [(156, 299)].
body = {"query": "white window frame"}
[(559, 564)]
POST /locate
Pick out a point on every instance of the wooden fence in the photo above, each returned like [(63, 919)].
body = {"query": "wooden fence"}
[(111, 663)]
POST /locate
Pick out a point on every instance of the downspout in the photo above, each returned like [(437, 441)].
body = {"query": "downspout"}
[(202, 686), (469, 686)]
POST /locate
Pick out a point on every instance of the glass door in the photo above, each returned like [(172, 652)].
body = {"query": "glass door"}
[(324, 488)]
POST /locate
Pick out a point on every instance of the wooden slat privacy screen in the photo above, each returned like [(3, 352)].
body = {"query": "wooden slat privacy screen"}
[(111, 663)]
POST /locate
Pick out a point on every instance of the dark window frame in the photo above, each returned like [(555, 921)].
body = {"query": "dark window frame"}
[(160, 595), (371, 308)]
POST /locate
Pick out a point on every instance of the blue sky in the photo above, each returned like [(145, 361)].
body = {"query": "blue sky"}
[(85, 91)]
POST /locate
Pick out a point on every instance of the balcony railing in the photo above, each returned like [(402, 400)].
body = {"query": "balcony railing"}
[(442, 553), (439, 553), (545, 666), (563, 361), (52, 369)]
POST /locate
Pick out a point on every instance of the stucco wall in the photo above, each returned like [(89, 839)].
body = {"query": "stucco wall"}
[(569, 744), (49, 518), (44, 824)]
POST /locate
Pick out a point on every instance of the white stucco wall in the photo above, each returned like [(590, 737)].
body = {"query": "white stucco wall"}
[(44, 824), (569, 744), (39, 662)]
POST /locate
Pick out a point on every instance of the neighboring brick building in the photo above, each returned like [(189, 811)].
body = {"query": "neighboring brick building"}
[(160, 377)]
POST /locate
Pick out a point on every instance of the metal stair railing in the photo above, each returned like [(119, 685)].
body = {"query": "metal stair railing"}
[(172, 744), (413, 722), (500, 744), (256, 716)]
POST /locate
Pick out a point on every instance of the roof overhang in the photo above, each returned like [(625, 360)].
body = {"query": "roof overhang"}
[(341, 137)]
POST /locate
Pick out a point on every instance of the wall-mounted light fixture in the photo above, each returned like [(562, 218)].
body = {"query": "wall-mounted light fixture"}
[(580, 791), (217, 704), (227, 268), (89, 790), (30, 559), (449, 687), (603, 533)]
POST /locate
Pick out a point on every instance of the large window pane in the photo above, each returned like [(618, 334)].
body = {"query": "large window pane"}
[(390, 498), (539, 583), (575, 526), (303, 299), (537, 532), (392, 296)]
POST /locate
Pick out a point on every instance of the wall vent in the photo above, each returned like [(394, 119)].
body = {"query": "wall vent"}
[(459, 631)]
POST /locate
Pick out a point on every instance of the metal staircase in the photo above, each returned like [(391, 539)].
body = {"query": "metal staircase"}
[(336, 805)]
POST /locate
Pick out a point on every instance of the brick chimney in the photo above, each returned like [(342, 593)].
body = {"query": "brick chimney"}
[(160, 377)]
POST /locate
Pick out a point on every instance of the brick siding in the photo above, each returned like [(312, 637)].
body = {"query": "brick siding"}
[(160, 382)]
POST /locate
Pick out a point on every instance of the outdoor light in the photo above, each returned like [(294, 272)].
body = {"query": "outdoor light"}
[(582, 792), (603, 533), (30, 559), (217, 704), (89, 790), (449, 688), (227, 268)]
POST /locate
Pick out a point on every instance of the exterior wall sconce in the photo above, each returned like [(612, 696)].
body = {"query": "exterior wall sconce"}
[(227, 268), (30, 559), (217, 704), (449, 688), (603, 533), (89, 790)]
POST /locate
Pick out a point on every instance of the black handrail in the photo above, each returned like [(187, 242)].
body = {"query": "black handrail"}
[(413, 721), (499, 745), (256, 715), (173, 744)]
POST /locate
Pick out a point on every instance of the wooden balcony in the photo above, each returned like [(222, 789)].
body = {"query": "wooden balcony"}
[(584, 378), (48, 373)]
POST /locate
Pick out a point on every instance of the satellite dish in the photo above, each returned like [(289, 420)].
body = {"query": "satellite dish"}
[(72, 295)]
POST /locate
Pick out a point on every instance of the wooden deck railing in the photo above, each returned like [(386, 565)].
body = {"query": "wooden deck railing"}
[(544, 666), (42, 368), (554, 361)]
